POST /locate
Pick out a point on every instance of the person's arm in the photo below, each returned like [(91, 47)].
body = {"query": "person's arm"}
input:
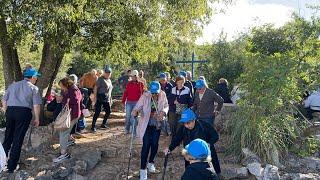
[(138, 107), (190, 100), (5, 99), (217, 98), (37, 101), (187, 175), (95, 91), (177, 139), (307, 102), (125, 94)]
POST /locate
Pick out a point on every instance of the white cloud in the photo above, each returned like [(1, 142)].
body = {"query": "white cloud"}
[(242, 15)]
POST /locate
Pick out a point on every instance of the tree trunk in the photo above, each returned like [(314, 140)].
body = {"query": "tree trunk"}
[(7, 56), (50, 63)]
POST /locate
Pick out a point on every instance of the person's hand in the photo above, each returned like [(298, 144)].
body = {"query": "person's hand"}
[(160, 116), (216, 113), (35, 122), (134, 113), (176, 102), (166, 151)]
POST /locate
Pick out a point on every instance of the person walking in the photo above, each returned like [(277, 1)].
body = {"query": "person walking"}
[(187, 82), (204, 101), (179, 99), (223, 90), (72, 98), (193, 129), (19, 100), (143, 80), (102, 94), (130, 98), (88, 81), (199, 155), (153, 106)]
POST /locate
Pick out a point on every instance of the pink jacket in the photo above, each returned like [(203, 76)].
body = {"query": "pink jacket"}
[(144, 106)]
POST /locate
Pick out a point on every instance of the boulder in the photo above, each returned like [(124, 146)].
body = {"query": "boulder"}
[(303, 165), (92, 157), (232, 172), (299, 176), (21, 175), (249, 157), (271, 173), (80, 167), (256, 170), (62, 172), (77, 177)]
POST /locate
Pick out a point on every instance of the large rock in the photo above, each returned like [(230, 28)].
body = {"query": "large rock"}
[(225, 115), (256, 170), (21, 175), (303, 165), (249, 157), (235, 173), (271, 173), (78, 177), (80, 167), (62, 172), (92, 157), (38, 136), (299, 176)]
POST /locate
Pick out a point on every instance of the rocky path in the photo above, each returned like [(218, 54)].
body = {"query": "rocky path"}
[(104, 155)]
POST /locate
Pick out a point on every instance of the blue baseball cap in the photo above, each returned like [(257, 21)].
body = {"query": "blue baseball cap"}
[(154, 87), (200, 83), (31, 72), (198, 149), (183, 73), (107, 69), (163, 76), (187, 115)]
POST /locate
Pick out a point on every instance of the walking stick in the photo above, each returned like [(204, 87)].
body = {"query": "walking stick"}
[(165, 165), (131, 142)]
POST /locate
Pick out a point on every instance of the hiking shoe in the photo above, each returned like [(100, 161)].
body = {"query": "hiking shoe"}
[(94, 130), (103, 126), (61, 158), (143, 174), (151, 168), (71, 143)]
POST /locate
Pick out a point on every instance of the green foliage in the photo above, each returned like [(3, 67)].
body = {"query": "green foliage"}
[(226, 60), (310, 146), (2, 119), (275, 76)]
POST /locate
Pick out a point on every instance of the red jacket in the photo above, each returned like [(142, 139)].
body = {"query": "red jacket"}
[(133, 91)]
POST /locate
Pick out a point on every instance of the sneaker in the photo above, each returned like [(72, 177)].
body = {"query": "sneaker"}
[(103, 126), (61, 158), (94, 130), (151, 168), (143, 174), (71, 143)]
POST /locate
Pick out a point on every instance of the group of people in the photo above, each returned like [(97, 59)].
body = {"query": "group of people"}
[(189, 107)]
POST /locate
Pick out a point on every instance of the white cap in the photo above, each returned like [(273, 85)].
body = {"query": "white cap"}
[(135, 73)]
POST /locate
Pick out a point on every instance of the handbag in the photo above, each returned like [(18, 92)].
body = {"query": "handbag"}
[(63, 120)]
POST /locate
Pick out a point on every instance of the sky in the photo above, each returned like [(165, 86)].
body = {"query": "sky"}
[(242, 14)]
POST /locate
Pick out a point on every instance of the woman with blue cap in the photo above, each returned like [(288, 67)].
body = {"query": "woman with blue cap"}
[(153, 106), (193, 129), (199, 155)]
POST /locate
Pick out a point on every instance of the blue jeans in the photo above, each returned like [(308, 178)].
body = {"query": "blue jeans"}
[(129, 118), (208, 120), (150, 143)]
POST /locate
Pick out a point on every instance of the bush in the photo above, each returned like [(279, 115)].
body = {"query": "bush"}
[(2, 119)]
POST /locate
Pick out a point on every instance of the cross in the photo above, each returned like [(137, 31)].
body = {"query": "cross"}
[(192, 62)]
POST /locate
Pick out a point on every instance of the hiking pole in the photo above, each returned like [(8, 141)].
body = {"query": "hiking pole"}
[(165, 165), (131, 142)]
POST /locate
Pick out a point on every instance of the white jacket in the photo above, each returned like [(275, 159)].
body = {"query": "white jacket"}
[(313, 101)]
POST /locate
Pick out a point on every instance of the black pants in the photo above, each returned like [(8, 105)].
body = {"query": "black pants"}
[(97, 111), (86, 100), (173, 120), (17, 123), (215, 160), (150, 142)]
